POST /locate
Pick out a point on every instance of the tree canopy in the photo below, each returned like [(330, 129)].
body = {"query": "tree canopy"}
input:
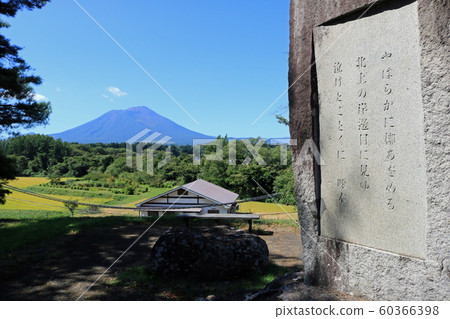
[(105, 166), (18, 106)]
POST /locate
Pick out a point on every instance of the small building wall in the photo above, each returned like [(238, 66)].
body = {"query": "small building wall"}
[(173, 200), (221, 209), (150, 214), (205, 210)]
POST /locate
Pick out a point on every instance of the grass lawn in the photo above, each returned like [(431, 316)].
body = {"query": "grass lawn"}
[(132, 200), (19, 228), (28, 228)]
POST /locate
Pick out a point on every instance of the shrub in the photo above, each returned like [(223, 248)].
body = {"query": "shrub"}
[(129, 190)]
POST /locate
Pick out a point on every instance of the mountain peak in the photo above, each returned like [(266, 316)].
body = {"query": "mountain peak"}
[(139, 109), (120, 125)]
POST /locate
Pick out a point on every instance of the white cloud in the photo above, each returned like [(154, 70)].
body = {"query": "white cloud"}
[(105, 96), (116, 91), (39, 97)]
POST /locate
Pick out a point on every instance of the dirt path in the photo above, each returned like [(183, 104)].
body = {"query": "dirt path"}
[(67, 267), (285, 247)]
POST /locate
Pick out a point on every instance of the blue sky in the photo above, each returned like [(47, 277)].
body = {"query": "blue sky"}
[(225, 62)]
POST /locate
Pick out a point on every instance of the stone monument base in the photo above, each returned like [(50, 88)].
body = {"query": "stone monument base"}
[(376, 274)]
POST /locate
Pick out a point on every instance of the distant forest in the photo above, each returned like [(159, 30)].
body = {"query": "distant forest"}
[(104, 165)]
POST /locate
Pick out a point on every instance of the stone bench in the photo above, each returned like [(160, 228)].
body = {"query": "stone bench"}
[(218, 217)]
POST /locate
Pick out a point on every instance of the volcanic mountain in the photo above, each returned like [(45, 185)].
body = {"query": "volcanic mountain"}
[(121, 125)]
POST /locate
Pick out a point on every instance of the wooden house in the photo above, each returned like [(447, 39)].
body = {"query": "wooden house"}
[(191, 198)]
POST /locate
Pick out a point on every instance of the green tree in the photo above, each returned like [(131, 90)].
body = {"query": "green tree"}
[(284, 184), (18, 108), (282, 120), (71, 206), (106, 161), (280, 117), (7, 171)]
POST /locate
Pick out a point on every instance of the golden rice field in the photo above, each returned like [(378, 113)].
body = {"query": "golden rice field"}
[(18, 200), (23, 182), (269, 210)]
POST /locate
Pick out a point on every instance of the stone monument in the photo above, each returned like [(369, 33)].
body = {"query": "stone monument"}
[(369, 83)]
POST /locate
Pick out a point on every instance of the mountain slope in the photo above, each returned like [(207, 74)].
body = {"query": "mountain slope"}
[(121, 125)]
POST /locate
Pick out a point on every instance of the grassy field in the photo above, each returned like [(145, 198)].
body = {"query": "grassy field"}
[(22, 203), (23, 229), (19, 228)]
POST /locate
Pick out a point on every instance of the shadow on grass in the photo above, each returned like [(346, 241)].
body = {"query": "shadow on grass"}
[(57, 258), (15, 234), (24, 229), (142, 281)]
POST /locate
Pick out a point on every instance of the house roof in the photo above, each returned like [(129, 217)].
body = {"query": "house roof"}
[(202, 188), (212, 191)]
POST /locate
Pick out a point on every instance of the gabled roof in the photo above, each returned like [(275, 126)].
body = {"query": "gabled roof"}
[(212, 191), (202, 188)]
